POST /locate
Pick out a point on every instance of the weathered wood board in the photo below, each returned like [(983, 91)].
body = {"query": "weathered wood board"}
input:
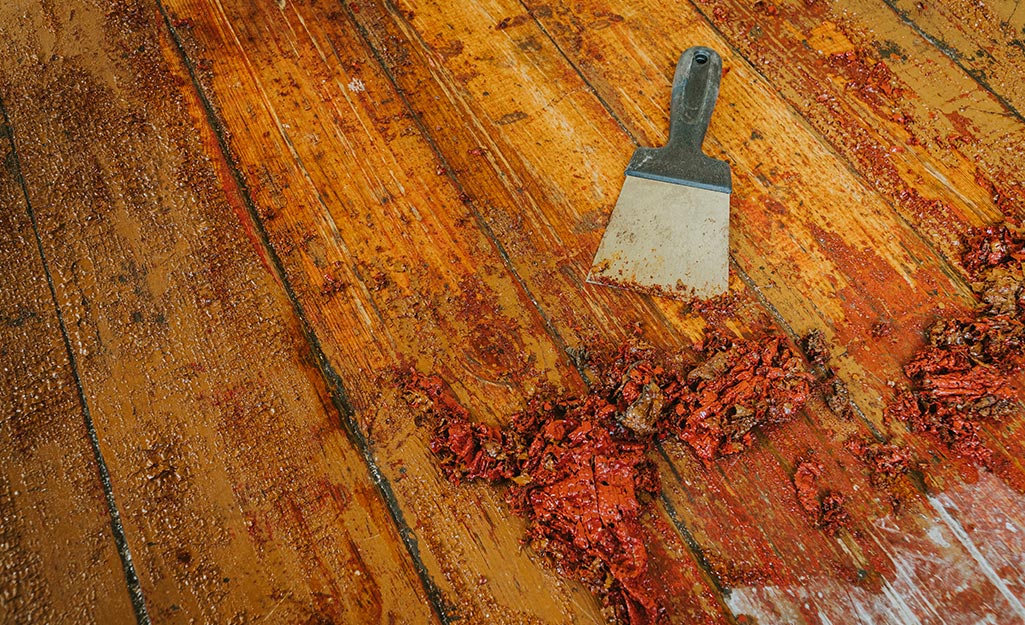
[(57, 539), (258, 217), (241, 495)]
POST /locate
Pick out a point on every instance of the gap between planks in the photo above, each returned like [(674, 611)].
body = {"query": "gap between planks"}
[(333, 382), (120, 539)]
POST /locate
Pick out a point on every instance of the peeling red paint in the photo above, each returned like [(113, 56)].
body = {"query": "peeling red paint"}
[(577, 468)]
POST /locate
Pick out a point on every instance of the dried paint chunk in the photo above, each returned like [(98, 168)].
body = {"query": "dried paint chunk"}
[(960, 379), (950, 397), (752, 383), (578, 470), (825, 507), (992, 246), (815, 347)]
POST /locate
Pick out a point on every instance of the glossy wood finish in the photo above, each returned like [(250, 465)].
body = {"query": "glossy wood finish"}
[(257, 216)]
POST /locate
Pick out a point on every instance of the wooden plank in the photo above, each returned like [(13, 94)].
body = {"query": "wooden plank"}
[(56, 538), (242, 496), (485, 64), (389, 263), (985, 39)]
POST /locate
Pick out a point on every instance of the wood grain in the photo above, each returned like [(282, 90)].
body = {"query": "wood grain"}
[(56, 536), (242, 496), (482, 67), (393, 271), (260, 216), (985, 39)]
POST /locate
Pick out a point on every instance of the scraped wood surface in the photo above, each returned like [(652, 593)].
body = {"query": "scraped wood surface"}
[(394, 272), (259, 216)]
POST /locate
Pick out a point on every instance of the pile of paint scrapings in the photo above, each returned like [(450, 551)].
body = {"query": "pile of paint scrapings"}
[(577, 467), (960, 379), (716, 407), (577, 475)]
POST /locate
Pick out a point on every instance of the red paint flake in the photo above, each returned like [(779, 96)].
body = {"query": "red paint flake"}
[(951, 396), (994, 340), (806, 483), (577, 475), (717, 309), (579, 486), (578, 470), (472, 451), (825, 507)]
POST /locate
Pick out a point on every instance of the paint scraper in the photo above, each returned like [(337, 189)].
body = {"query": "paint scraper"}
[(669, 231)]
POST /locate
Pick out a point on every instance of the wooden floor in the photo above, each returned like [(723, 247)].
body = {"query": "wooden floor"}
[(229, 227)]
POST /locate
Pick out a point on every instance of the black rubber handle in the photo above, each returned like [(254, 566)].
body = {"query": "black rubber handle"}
[(681, 161)]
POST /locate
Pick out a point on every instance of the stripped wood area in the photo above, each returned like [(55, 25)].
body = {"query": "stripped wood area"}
[(233, 229)]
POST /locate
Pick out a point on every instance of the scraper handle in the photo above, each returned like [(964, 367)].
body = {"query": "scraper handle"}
[(681, 161)]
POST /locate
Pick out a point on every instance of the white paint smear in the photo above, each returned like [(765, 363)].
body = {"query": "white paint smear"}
[(951, 573)]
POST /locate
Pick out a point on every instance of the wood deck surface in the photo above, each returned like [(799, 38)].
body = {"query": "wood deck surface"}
[(229, 229)]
